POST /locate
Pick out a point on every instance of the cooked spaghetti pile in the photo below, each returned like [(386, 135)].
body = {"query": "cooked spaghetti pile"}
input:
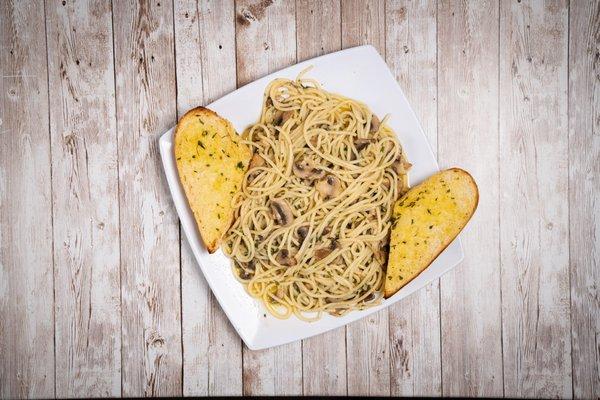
[(312, 220)]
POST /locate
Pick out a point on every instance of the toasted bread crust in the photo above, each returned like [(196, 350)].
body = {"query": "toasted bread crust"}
[(390, 290), (208, 194)]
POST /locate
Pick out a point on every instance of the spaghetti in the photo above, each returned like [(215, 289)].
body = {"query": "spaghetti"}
[(312, 220)]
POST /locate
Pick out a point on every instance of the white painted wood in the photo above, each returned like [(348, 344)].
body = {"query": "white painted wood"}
[(324, 364), (318, 27), (85, 198), (508, 89), (150, 262), (534, 222), (534, 213), (363, 22), (26, 282), (323, 356), (414, 324), (212, 352), (468, 138), (584, 195), (266, 36), (266, 42), (367, 340)]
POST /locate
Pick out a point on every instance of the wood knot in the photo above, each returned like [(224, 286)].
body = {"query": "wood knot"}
[(246, 17), (154, 340), (254, 12)]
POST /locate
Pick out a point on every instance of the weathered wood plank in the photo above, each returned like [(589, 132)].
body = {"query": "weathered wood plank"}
[(468, 137), (212, 350), (326, 15), (363, 22), (266, 42), (367, 340), (26, 273), (266, 37), (414, 323), (534, 212), (324, 364), (84, 169), (584, 195), (323, 356), (150, 270)]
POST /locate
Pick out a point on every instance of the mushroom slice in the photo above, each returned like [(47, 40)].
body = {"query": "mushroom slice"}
[(251, 265), (281, 212), (277, 116), (280, 117), (329, 187), (285, 116), (361, 144), (323, 252), (256, 161), (375, 123), (302, 232), (305, 169), (247, 270), (401, 166), (370, 297), (285, 258)]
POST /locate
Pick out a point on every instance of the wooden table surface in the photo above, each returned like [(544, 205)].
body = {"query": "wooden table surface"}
[(100, 294)]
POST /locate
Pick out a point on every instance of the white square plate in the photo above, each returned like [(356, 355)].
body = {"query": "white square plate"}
[(359, 73)]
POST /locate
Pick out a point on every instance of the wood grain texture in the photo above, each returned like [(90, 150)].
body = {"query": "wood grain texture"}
[(414, 323), (84, 169), (534, 212), (265, 35), (212, 350), (26, 281), (318, 27), (150, 270), (363, 22), (323, 356), (91, 255), (265, 38), (468, 138), (584, 195), (367, 340)]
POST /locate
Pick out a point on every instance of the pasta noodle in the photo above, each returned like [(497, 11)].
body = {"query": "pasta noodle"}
[(312, 220)]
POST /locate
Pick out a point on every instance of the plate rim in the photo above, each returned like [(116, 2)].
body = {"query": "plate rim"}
[(165, 149)]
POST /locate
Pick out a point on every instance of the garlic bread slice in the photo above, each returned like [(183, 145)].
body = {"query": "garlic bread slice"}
[(211, 163), (425, 220)]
